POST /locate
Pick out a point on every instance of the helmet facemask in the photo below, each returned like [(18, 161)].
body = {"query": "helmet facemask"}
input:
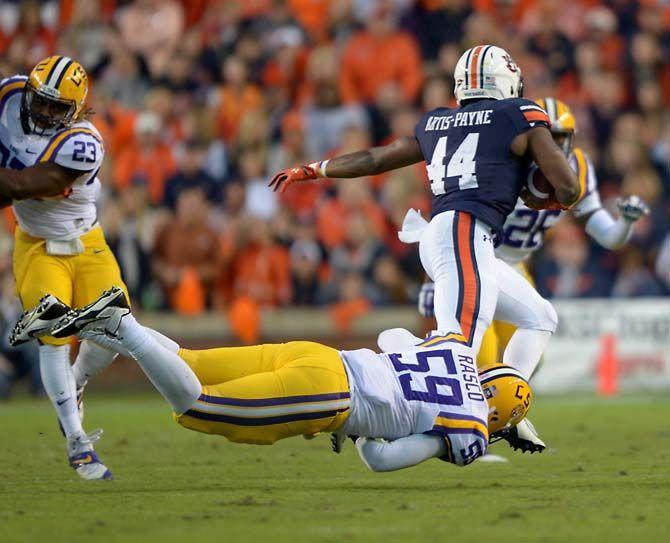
[(42, 114), (564, 140)]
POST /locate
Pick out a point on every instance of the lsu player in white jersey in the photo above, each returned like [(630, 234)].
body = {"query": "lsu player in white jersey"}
[(50, 156), (423, 398)]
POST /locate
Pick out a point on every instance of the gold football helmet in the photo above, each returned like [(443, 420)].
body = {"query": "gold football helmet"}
[(508, 394), (54, 96), (563, 125)]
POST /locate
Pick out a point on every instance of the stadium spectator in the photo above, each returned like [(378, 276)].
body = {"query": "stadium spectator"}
[(187, 253), (261, 268), (152, 28), (130, 229), (306, 259), (379, 57), (191, 173), (568, 272), (148, 161)]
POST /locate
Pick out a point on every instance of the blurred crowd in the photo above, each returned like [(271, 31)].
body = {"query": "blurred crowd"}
[(201, 101)]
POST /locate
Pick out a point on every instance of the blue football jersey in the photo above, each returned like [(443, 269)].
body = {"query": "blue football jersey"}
[(467, 151)]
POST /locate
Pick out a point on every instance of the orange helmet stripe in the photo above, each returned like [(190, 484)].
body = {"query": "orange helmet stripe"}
[(473, 66)]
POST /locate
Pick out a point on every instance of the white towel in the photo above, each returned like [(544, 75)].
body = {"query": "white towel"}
[(413, 226)]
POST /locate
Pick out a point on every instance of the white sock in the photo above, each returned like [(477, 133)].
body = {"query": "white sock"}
[(60, 386), (165, 341), (91, 360), (525, 349), (173, 377)]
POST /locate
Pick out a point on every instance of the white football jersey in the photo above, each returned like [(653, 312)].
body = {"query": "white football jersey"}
[(525, 228), (432, 388), (78, 147)]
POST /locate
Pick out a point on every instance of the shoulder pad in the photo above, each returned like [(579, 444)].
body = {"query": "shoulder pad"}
[(533, 113), (77, 148), (10, 87)]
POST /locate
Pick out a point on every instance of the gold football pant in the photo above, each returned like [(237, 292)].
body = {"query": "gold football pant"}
[(264, 393), (497, 335), (76, 280)]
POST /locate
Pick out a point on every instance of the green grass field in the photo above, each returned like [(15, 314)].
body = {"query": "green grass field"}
[(606, 478)]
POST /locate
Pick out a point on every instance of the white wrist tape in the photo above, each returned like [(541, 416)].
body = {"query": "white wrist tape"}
[(320, 168)]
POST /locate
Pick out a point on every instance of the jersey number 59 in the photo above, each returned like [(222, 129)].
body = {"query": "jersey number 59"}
[(440, 389)]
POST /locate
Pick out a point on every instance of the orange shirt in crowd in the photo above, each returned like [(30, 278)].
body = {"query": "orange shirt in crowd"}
[(154, 166), (233, 104), (313, 15), (369, 63), (193, 250), (333, 220), (117, 128), (262, 273)]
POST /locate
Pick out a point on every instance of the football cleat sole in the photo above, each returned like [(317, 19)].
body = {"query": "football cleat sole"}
[(38, 321), (524, 437)]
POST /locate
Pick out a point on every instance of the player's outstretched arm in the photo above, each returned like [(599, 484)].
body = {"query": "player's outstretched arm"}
[(554, 165), (401, 453), (38, 181), (614, 233), (398, 154)]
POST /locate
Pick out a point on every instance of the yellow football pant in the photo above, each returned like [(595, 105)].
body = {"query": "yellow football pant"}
[(264, 393), (497, 335), (76, 280)]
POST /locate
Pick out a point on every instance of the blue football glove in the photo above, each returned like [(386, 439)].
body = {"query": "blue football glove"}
[(632, 208), (427, 300)]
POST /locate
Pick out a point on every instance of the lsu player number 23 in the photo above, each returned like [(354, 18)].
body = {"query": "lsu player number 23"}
[(50, 156), (424, 399)]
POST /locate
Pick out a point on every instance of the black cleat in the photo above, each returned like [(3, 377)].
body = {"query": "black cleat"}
[(524, 437)]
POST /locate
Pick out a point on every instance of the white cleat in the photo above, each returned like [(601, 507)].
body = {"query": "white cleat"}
[(84, 460), (38, 321)]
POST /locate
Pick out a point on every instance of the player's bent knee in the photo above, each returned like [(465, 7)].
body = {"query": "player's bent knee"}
[(542, 316), (549, 319)]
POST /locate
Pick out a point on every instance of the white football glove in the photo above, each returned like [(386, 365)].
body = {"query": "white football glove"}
[(427, 300), (632, 208)]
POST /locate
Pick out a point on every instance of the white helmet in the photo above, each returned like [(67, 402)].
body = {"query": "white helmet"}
[(487, 71)]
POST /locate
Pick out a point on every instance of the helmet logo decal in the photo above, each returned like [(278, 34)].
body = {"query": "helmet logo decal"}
[(511, 65), (78, 76)]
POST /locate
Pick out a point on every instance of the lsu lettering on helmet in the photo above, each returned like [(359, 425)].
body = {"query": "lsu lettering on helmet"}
[(508, 394), (54, 96), (563, 124), (487, 71)]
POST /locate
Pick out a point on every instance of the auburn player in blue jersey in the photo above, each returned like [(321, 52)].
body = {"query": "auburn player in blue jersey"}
[(525, 229), (476, 156)]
